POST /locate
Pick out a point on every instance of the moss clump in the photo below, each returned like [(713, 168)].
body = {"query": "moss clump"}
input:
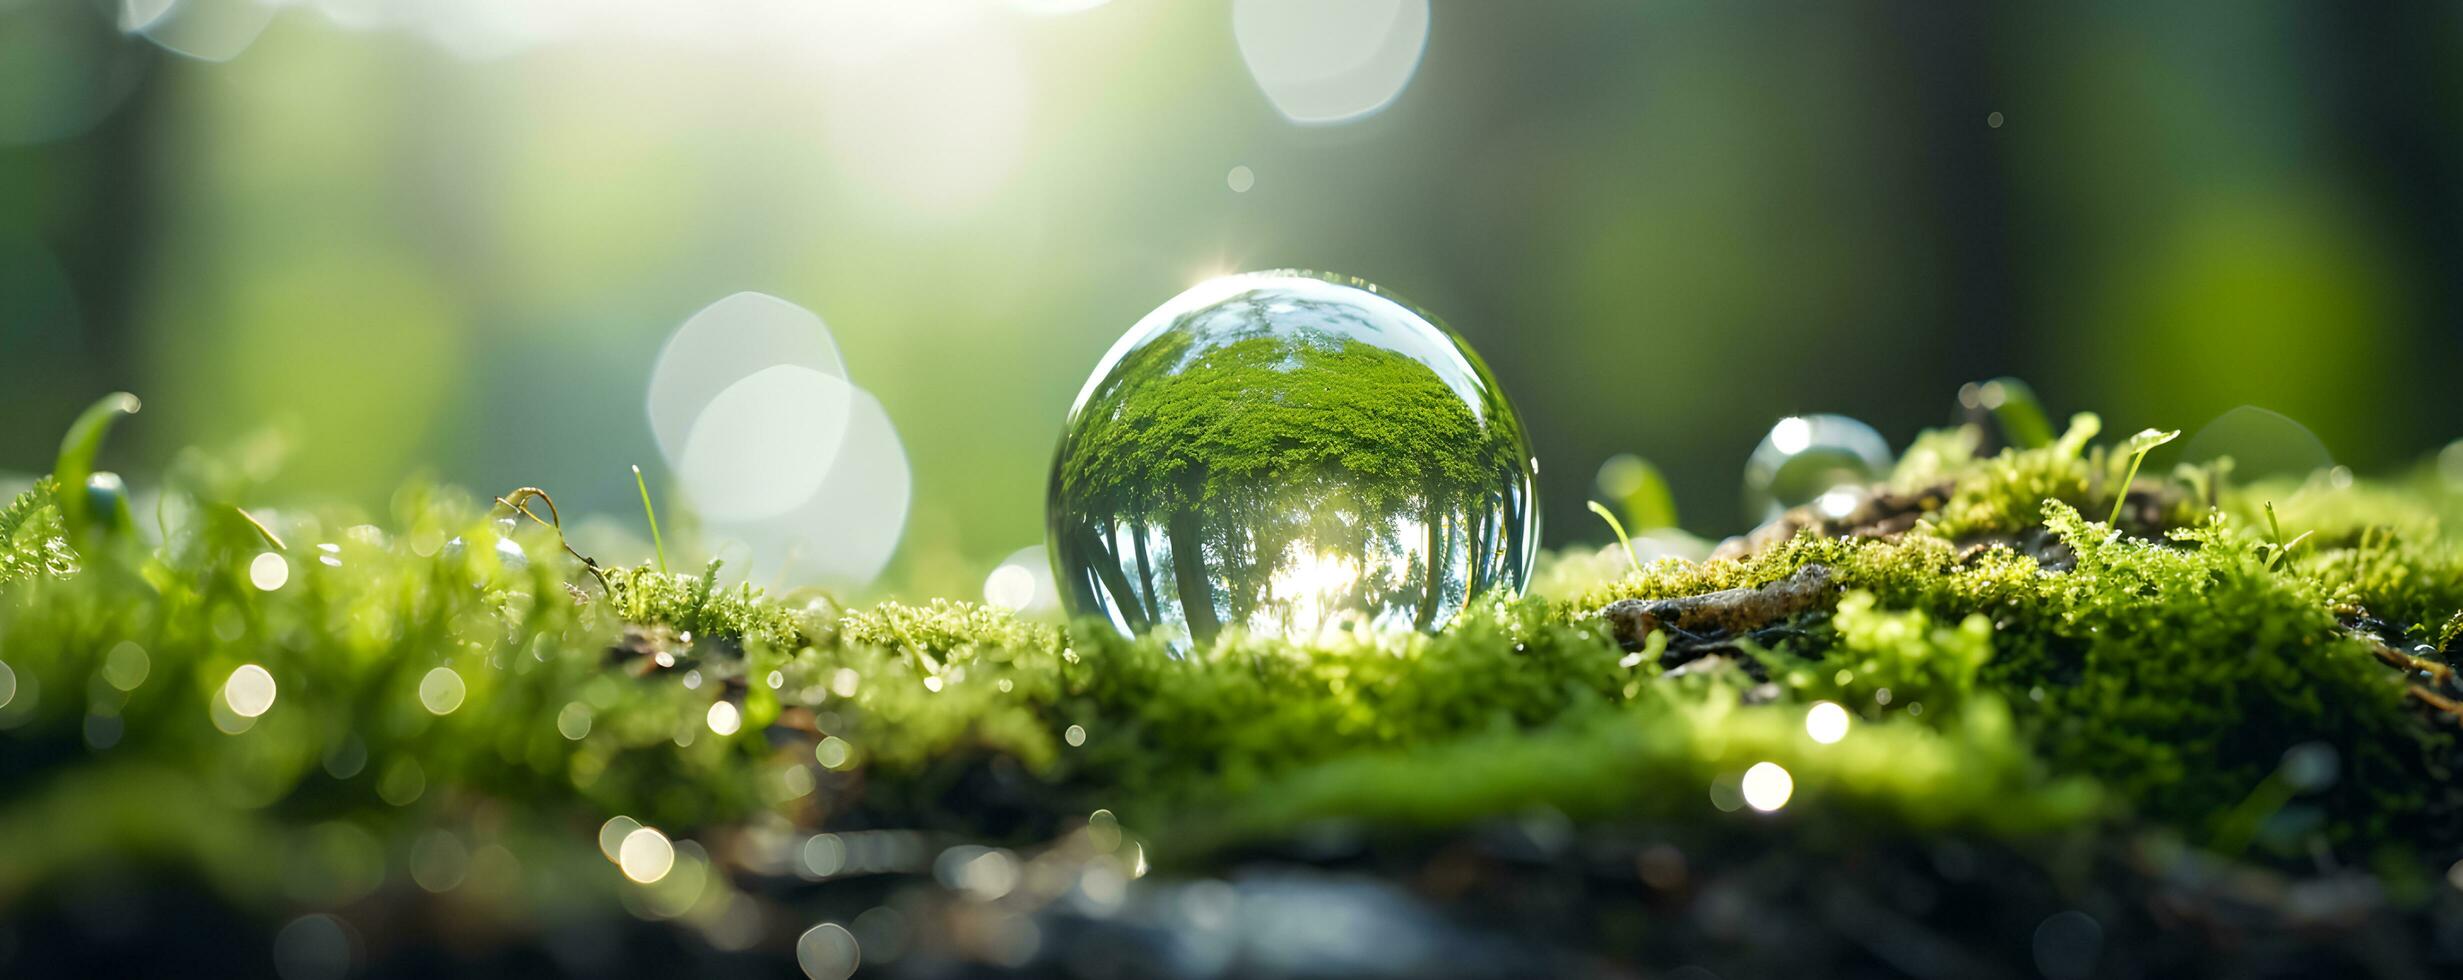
[(2017, 674), (33, 542), (697, 605)]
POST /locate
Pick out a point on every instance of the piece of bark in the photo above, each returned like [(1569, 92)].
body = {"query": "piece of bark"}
[(1727, 612)]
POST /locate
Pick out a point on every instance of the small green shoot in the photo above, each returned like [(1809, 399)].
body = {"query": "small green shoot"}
[(1619, 527), (75, 466), (2277, 548), (2137, 447), (656, 542)]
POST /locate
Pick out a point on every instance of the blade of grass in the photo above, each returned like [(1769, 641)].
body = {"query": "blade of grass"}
[(1619, 527), (656, 542)]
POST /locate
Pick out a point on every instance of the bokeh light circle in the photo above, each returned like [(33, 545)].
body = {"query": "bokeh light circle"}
[(765, 444), (846, 531), (723, 344), (1322, 62), (827, 952)]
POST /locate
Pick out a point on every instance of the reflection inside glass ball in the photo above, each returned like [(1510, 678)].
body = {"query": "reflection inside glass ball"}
[(1285, 453)]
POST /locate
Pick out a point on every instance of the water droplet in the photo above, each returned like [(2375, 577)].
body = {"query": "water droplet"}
[(2261, 445), (1807, 456), (725, 719), (1288, 452), (1240, 179)]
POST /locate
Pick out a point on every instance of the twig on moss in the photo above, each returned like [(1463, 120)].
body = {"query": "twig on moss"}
[(519, 500)]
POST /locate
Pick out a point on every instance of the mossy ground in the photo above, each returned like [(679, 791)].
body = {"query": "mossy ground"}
[(2101, 719)]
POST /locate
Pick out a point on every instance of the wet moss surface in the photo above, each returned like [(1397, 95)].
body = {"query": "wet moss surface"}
[(2217, 738)]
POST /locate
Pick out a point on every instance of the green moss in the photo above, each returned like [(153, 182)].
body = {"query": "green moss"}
[(2091, 683), (697, 605), (33, 540)]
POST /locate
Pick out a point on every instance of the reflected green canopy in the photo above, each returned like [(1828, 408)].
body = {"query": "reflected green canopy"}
[(1287, 452)]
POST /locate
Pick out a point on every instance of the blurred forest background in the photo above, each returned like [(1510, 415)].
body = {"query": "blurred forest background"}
[(451, 238)]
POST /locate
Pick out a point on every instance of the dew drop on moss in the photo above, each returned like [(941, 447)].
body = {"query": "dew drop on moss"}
[(1807, 456), (1288, 452)]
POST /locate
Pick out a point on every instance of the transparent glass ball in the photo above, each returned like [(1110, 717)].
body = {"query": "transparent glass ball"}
[(1285, 453), (1813, 459)]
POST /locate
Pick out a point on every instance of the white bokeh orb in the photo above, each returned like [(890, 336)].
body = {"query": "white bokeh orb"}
[(763, 445), (1322, 62), (723, 344), (845, 532)]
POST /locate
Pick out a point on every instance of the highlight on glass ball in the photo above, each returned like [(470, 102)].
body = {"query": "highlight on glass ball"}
[(1287, 453)]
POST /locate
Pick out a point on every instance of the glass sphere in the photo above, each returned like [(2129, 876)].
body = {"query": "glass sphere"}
[(1827, 459), (1288, 452)]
